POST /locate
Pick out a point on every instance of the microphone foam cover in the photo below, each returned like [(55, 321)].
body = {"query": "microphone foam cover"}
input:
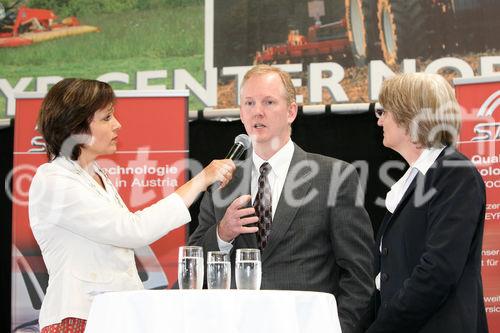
[(244, 140)]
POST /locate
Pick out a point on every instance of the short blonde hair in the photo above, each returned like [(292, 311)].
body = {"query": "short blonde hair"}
[(284, 76), (425, 106)]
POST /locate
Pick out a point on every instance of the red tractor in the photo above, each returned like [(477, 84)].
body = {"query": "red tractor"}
[(20, 25), (390, 30), (323, 42)]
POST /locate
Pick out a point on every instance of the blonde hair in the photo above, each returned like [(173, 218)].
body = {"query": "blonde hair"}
[(284, 76), (425, 106)]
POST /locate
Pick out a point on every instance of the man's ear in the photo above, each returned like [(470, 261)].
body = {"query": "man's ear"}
[(292, 112)]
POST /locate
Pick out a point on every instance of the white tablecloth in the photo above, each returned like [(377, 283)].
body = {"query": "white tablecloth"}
[(218, 311)]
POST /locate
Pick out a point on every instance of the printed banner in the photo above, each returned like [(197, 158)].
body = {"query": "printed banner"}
[(338, 51), (341, 50), (150, 163), (480, 141)]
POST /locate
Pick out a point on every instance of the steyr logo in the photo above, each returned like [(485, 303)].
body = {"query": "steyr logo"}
[(489, 130), (490, 105)]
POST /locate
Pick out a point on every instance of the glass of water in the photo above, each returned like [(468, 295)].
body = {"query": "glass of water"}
[(218, 270), (190, 269), (248, 269)]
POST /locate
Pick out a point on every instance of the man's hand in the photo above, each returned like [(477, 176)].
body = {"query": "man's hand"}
[(236, 218)]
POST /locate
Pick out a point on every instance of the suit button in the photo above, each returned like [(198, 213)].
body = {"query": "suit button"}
[(385, 305), (385, 251), (384, 277)]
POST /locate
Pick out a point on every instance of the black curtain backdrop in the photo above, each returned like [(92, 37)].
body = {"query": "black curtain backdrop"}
[(351, 138), (6, 160), (348, 137)]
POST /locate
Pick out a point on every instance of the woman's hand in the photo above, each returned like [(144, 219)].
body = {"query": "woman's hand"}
[(218, 171)]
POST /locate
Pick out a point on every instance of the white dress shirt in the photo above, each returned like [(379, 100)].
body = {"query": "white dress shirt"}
[(398, 190), (87, 236), (280, 162)]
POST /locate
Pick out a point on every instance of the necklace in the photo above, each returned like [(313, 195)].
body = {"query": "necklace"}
[(76, 168)]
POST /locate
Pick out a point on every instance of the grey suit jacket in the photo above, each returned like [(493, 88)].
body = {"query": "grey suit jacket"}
[(321, 237)]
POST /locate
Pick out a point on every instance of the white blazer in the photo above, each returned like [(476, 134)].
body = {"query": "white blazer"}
[(86, 235)]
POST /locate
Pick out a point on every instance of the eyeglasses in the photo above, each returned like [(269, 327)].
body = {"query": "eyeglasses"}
[(379, 112)]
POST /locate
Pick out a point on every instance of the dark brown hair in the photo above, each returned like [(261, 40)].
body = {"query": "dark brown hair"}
[(68, 109)]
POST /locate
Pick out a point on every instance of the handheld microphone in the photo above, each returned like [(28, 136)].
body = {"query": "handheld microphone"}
[(241, 143)]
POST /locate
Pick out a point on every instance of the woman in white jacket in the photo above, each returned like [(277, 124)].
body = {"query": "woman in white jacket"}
[(84, 230)]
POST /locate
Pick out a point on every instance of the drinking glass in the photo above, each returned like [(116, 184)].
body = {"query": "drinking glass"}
[(248, 269), (218, 270), (190, 269)]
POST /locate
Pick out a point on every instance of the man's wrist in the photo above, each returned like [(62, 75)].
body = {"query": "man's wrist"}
[(223, 245), (221, 236)]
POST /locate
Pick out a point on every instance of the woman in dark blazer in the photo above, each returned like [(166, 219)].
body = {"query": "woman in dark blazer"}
[(429, 243)]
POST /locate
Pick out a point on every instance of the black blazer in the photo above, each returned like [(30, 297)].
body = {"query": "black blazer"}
[(430, 260)]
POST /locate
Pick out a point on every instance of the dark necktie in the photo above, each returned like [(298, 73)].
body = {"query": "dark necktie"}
[(263, 206)]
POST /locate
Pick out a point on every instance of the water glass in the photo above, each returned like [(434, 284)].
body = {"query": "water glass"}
[(248, 269), (218, 270), (190, 269)]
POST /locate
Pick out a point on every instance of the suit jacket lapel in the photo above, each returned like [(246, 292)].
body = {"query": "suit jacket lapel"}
[(285, 212), (383, 226), (408, 194), (418, 180)]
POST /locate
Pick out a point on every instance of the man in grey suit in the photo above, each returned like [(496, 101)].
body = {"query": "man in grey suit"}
[(311, 226)]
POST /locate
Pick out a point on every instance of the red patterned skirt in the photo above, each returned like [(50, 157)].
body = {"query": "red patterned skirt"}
[(67, 325)]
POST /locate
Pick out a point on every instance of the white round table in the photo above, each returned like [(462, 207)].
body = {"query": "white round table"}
[(218, 311)]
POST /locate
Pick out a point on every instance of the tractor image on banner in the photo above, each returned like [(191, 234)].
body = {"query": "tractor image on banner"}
[(352, 31), (20, 25)]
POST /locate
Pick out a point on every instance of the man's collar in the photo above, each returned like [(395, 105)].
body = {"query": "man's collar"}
[(280, 161)]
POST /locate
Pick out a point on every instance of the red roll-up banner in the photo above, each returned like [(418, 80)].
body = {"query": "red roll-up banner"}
[(480, 141), (150, 163)]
